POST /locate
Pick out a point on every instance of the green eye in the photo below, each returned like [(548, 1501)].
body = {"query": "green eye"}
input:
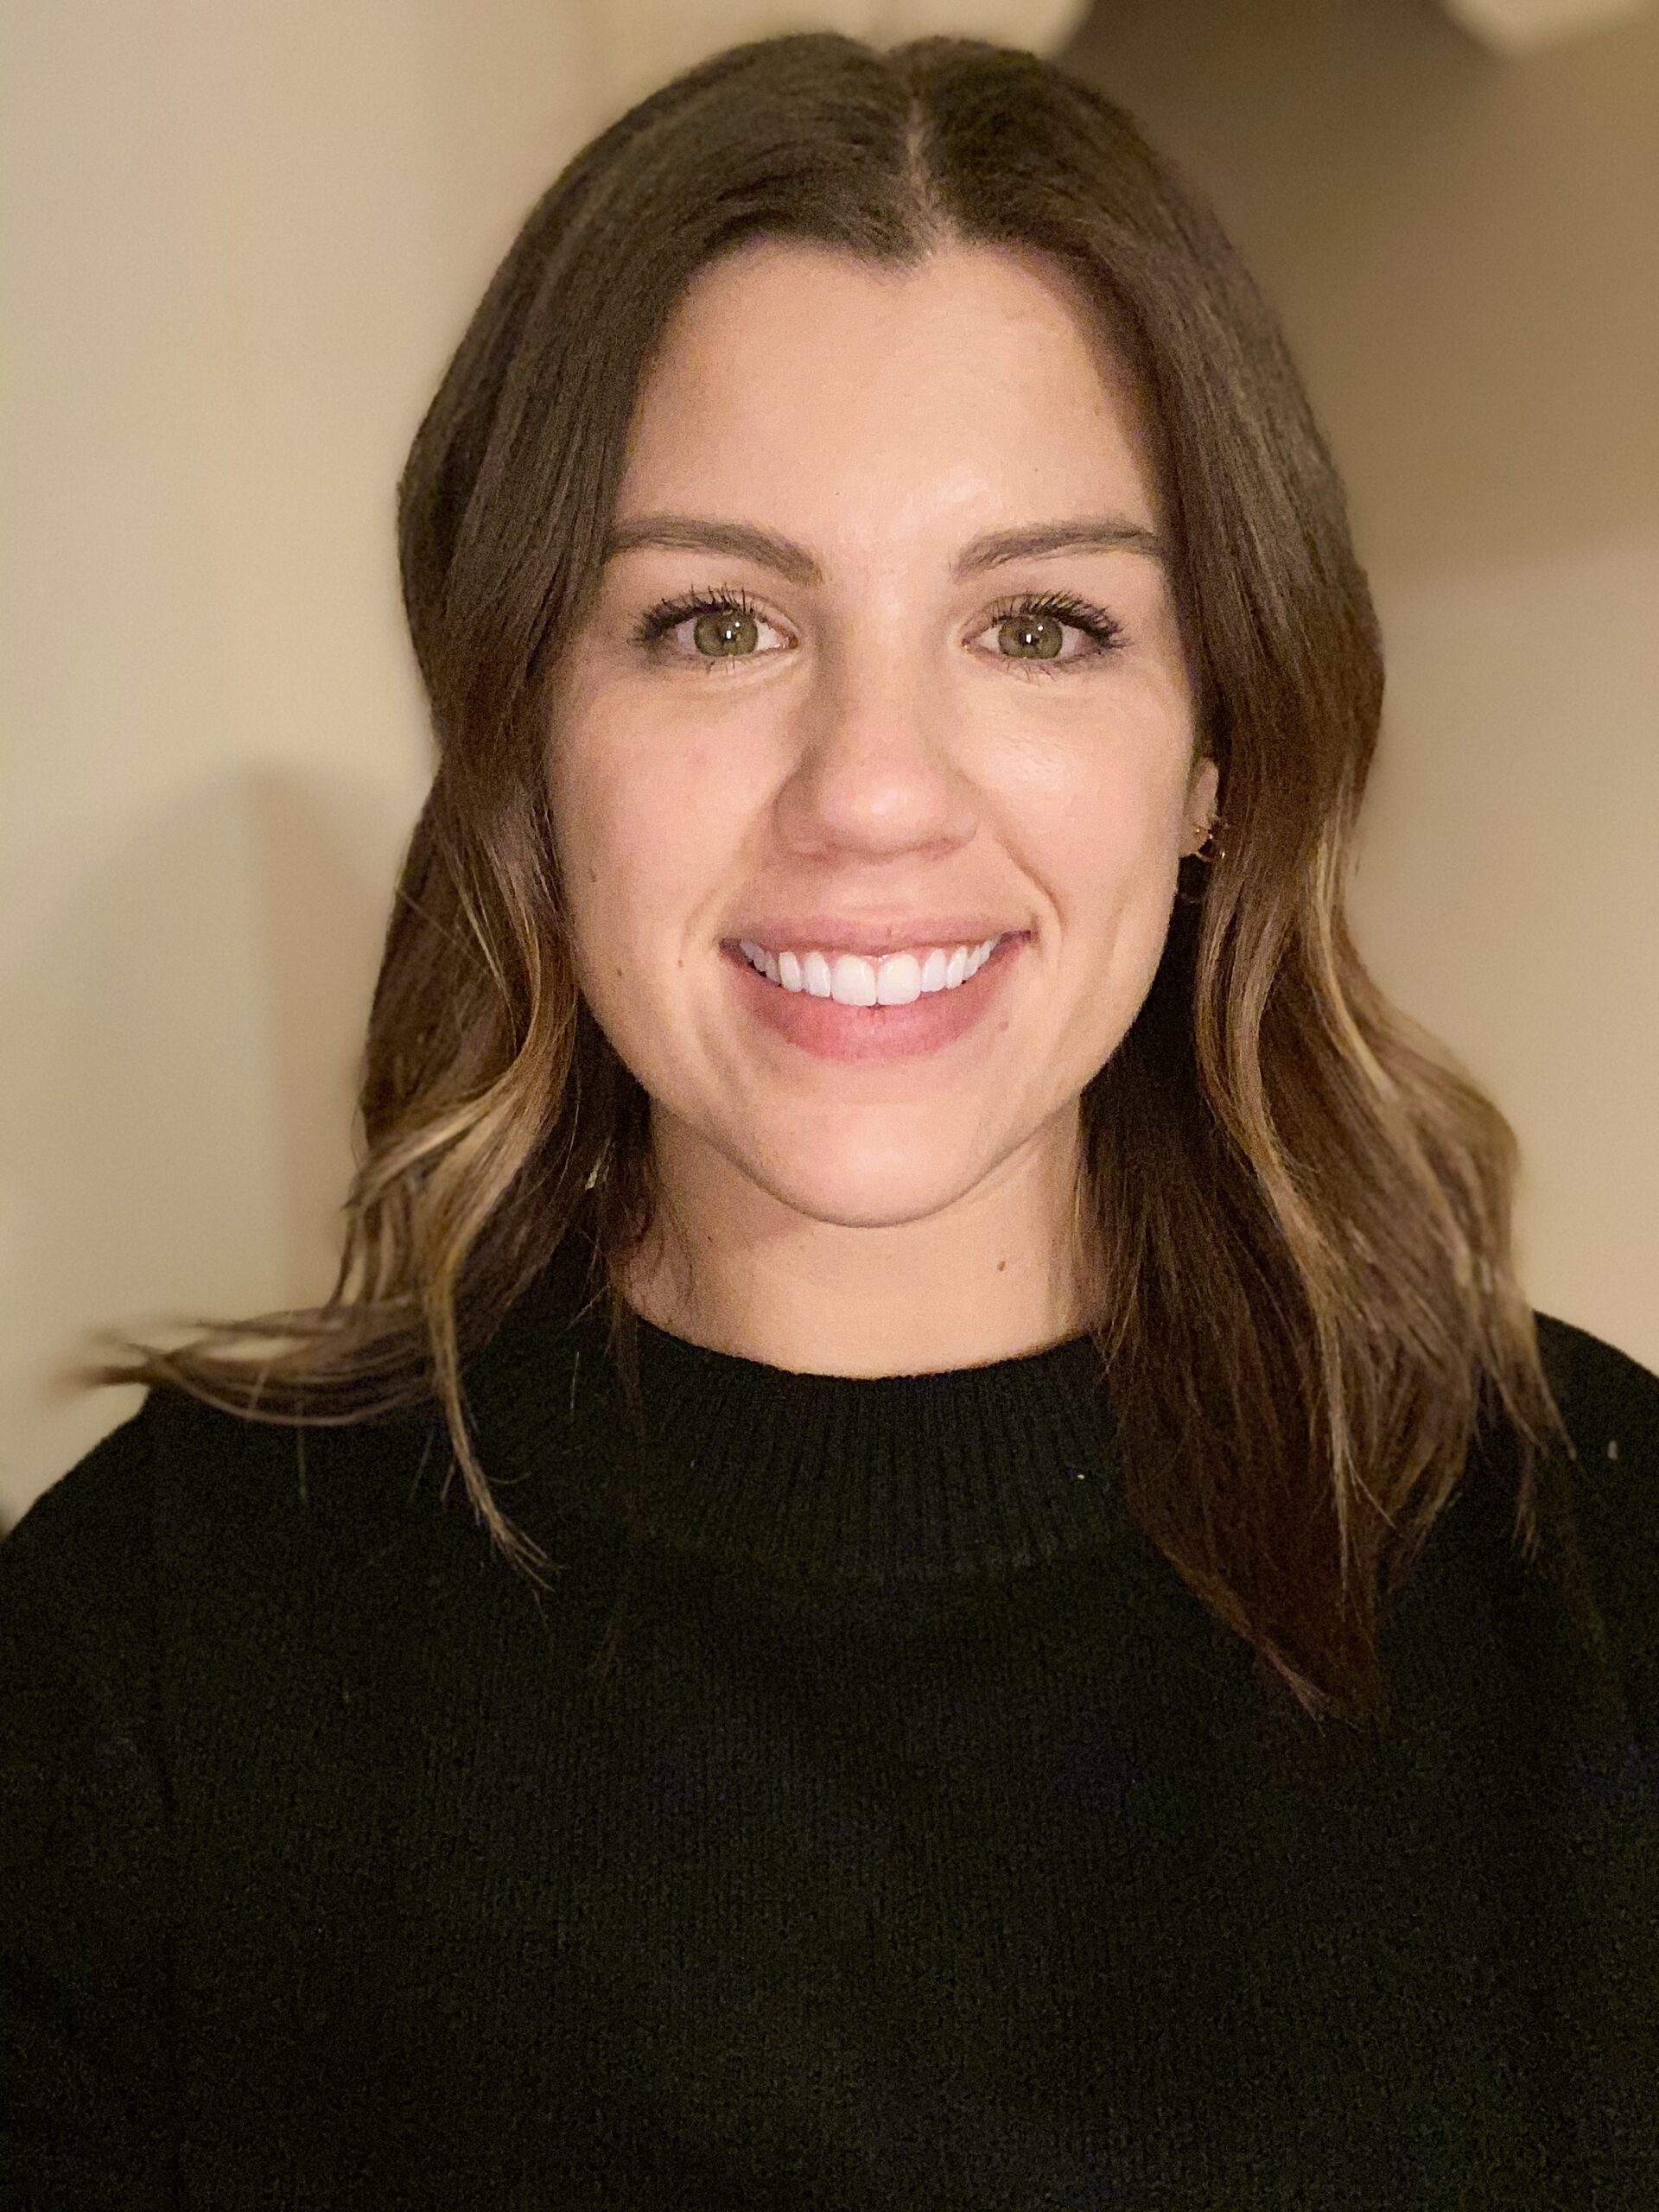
[(1033, 637), (731, 631), (725, 628), (1031, 630)]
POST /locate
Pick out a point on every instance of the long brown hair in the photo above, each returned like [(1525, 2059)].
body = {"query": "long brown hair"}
[(1301, 1208)]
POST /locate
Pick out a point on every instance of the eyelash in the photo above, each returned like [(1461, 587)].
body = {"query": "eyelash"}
[(1105, 635)]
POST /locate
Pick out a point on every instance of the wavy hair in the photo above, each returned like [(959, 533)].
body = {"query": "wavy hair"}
[(1299, 1207)]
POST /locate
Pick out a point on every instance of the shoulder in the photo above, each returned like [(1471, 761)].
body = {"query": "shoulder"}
[(76, 1572), (1598, 1383), (1609, 1489), (182, 1488), (1609, 1403)]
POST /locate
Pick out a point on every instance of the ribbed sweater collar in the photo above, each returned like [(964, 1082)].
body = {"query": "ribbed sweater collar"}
[(870, 1480)]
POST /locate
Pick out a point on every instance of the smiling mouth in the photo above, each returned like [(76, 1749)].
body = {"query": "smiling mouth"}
[(906, 1024), (896, 979)]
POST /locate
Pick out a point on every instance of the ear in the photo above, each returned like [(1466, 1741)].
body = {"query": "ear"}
[(1203, 788)]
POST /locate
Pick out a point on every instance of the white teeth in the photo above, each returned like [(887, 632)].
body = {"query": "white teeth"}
[(854, 981)]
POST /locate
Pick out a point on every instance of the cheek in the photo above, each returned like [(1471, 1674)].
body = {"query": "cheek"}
[(597, 860), (1111, 876), (640, 846), (1115, 837)]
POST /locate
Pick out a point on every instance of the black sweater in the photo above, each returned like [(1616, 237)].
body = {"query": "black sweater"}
[(867, 1817)]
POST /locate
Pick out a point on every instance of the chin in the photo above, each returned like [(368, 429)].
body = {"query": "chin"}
[(876, 1188)]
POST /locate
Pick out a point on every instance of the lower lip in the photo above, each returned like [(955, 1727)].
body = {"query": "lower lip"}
[(835, 1031)]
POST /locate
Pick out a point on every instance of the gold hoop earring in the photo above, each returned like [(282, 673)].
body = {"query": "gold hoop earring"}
[(1211, 849)]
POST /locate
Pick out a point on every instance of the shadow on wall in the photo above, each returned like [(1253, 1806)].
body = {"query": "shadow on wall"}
[(1462, 247), (180, 1135)]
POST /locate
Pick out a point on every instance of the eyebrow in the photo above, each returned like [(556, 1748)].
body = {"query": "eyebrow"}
[(692, 533)]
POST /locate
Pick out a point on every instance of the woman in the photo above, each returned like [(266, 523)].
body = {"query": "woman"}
[(1030, 1618)]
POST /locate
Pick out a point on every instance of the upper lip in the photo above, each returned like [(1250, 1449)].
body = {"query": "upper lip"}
[(829, 932)]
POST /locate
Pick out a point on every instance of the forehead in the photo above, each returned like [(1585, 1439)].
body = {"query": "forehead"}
[(979, 383)]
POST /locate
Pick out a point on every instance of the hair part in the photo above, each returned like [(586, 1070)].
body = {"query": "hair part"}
[(1299, 1209)]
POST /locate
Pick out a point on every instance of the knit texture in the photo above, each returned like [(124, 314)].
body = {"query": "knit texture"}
[(866, 1816)]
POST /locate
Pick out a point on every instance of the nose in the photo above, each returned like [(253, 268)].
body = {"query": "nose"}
[(880, 768)]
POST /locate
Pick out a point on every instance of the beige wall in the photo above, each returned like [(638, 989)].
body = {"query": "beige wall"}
[(1465, 250), (239, 243)]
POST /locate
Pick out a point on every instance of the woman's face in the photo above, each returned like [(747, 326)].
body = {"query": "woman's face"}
[(887, 734)]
